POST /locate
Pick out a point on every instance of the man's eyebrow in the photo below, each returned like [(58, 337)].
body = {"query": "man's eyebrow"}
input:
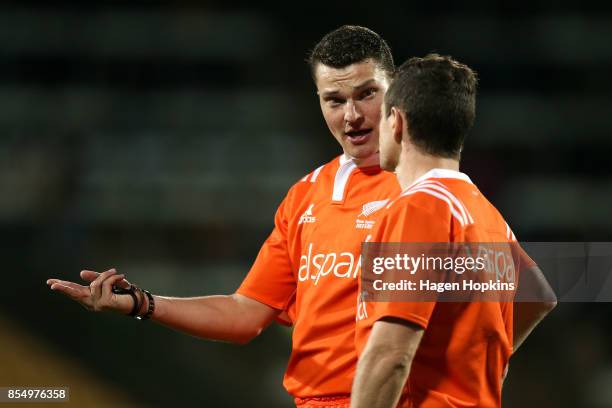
[(365, 83), (332, 92)]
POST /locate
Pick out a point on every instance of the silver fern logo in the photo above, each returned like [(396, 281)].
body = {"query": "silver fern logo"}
[(367, 210)]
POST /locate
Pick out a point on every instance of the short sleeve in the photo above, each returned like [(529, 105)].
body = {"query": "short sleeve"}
[(409, 220), (271, 280)]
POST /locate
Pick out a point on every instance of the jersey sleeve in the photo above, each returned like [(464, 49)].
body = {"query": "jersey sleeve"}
[(411, 219), (287, 316), (271, 280)]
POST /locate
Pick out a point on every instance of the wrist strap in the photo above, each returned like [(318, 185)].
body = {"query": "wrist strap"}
[(151, 307)]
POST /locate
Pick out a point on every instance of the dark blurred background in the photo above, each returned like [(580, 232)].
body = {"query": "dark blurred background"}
[(159, 138)]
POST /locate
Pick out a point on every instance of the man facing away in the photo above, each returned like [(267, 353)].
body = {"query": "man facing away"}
[(436, 354), (309, 263)]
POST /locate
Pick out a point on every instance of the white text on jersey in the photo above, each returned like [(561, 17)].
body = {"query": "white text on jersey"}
[(307, 216), (341, 265)]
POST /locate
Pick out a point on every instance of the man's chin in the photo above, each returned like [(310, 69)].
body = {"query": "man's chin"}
[(387, 164), (361, 152)]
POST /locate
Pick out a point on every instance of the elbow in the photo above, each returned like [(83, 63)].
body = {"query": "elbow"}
[(542, 309), (549, 302), (246, 337), (242, 341), (550, 305)]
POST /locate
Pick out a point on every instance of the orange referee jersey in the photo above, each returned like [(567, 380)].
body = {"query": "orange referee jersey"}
[(309, 265), (466, 346)]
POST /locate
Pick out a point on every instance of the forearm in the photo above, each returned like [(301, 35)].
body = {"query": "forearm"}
[(379, 380), (224, 318), (235, 318), (527, 315)]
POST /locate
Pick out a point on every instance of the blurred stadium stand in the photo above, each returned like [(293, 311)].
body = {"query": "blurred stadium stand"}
[(159, 138), (28, 360)]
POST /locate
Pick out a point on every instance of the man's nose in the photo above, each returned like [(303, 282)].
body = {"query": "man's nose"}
[(351, 112)]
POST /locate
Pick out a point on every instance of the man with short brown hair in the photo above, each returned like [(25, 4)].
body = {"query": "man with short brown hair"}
[(434, 354), (308, 265)]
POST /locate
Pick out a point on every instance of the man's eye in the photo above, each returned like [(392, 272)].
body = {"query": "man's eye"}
[(368, 92), (335, 101)]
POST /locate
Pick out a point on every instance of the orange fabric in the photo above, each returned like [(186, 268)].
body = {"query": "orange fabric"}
[(323, 402), (465, 347), (308, 267)]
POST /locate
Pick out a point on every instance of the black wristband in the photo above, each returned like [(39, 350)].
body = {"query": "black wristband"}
[(151, 307), (137, 302)]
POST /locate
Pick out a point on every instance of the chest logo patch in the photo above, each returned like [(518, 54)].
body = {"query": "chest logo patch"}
[(307, 217), (367, 210)]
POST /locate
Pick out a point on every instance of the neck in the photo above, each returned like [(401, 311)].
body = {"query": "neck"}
[(413, 165), (372, 160)]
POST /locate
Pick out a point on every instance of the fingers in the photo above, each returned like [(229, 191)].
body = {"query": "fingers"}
[(74, 291), (68, 288), (98, 295), (102, 294), (90, 276), (107, 285), (112, 301), (96, 285)]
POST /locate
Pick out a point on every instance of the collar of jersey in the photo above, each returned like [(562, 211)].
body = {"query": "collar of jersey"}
[(443, 174), (346, 167), (370, 162)]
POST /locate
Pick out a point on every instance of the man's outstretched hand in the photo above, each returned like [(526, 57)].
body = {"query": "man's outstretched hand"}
[(97, 295)]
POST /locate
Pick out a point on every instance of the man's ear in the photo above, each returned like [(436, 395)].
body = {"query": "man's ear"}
[(397, 124)]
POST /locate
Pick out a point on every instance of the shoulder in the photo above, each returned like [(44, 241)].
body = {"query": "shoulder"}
[(321, 172), (434, 198), (315, 177), (306, 185)]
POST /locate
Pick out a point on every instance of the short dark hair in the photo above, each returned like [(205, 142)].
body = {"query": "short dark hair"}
[(437, 94), (348, 45)]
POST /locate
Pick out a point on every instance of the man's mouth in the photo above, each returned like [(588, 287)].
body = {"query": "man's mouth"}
[(358, 136)]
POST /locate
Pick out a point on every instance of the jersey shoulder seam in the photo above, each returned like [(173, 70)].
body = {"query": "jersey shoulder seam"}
[(440, 192)]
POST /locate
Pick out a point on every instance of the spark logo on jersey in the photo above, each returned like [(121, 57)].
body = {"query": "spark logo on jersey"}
[(362, 310), (341, 265), (367, 210), (307, 217)]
